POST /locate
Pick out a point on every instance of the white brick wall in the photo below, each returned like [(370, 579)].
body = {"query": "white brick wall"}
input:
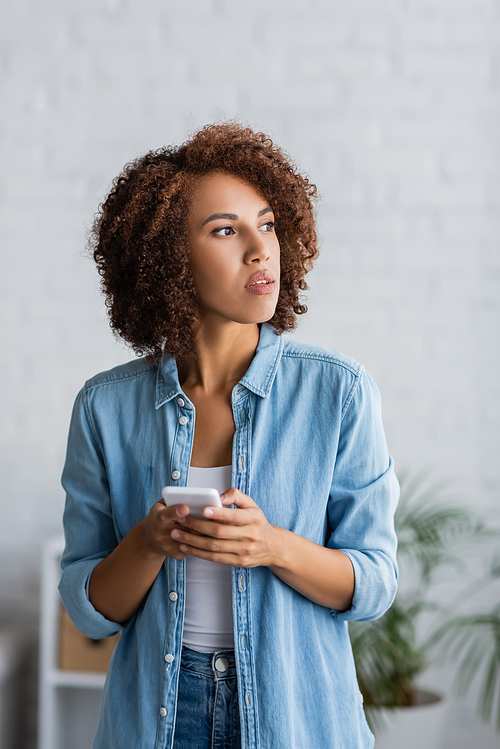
[(392, 107)]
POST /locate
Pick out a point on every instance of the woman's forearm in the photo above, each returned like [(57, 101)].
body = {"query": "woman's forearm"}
[(120, 583), (325, 576)]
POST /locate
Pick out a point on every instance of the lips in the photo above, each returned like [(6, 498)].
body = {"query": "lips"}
[(261, 283)]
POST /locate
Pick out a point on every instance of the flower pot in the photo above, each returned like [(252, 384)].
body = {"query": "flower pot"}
[(418, 726)]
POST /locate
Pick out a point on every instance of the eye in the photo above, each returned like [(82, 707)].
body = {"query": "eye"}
[(224, 231), (268, 226)]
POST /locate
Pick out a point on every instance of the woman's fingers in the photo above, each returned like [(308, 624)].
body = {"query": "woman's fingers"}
[(226, 535), (159, 523), (226, 515), (224, 551), (233, 496), (173, 512), (240, 537)]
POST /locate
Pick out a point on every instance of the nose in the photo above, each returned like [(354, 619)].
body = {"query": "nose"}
[(257, 250)]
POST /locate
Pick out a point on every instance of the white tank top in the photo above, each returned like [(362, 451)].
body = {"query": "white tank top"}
[(208, 616)]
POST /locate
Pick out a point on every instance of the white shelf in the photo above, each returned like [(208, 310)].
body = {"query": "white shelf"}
[(87, 680), (69, 700)]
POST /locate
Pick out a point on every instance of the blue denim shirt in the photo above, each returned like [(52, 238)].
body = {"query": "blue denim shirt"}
[(309, 448)]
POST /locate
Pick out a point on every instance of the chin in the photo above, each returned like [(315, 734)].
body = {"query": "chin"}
[(247, 314), (255, 319)]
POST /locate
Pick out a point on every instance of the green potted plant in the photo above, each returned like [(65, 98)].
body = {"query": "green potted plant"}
[(391, 652)]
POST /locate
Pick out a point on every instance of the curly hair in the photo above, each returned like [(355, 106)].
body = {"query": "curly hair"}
[(139, 236)]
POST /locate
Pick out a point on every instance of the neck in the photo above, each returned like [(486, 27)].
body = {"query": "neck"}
[(223, 354)]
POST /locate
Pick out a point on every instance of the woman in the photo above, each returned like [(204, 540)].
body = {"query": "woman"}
[(233, 626)]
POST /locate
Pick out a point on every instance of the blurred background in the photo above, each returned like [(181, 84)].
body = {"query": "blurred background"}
[(392, 108)]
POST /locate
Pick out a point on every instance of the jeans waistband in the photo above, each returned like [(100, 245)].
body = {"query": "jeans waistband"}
[(219, 665)]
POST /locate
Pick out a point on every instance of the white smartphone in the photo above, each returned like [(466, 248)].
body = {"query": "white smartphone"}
[(195, 498)]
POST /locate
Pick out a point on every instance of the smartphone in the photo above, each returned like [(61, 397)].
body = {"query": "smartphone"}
[(196, 499)]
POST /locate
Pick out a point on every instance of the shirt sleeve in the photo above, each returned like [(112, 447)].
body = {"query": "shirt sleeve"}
[(88, 522), (362, 503)]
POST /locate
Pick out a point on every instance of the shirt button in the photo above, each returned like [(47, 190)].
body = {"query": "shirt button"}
[(180, 402), (183, 420), (163, 712), (169, 657), (176, 475), (173, 596)]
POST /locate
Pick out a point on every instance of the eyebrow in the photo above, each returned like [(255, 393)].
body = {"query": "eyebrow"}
[(233, 216)]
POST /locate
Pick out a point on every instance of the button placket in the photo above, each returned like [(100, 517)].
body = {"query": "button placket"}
[(182, 436), (243, 622)]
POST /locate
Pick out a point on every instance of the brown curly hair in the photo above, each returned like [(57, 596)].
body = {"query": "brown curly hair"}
[(139, 236)]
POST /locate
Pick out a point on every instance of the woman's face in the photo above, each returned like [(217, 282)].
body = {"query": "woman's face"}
[(233, 249)]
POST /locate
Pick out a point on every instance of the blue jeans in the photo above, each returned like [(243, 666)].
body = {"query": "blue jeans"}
[(207, 703)]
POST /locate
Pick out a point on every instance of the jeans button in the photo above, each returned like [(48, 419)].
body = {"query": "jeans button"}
[(221, 664)]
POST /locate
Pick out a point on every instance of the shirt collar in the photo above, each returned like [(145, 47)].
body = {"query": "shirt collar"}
[(258, 378)]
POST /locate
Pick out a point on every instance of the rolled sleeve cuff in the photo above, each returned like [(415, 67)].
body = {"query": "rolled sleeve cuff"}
[(74, 591), (374, 588)]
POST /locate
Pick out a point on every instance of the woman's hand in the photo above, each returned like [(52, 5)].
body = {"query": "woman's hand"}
[(241, 537), (157, 527)]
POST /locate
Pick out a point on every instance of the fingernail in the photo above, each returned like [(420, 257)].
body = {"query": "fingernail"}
[(208, 512), (175, 534)]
